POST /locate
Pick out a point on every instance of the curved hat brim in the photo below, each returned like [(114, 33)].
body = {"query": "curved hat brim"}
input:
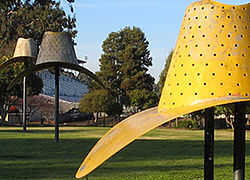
[(16, 60), (135, 126), (48, 65)]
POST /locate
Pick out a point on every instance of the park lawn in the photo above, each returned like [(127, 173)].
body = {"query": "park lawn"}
[(160, 154)]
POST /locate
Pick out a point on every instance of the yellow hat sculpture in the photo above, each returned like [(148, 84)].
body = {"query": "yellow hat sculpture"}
[(210, 66)]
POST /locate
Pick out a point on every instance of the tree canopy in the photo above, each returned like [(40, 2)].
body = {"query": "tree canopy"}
[(100, 101), (143, 99), (125, 62)]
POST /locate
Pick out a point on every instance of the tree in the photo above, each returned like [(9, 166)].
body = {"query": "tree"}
[(165, 71), (100, 101), (28, 19), (143, 99), (199, 118), (144, 96), (226, 110), (94, 101), (125, 62)]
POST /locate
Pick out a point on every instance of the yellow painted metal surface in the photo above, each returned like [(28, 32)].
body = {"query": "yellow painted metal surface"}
[(130, 129), (210, 66), (211, 57)]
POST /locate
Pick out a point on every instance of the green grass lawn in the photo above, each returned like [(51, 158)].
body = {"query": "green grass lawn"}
[(160, 154)]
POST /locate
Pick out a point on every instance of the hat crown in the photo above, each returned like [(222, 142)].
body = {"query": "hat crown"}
[(56, 47), (25, 47), (211, 57)]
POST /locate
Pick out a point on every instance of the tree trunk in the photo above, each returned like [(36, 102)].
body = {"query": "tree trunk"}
[(199, 119), (96, 118), (103, 124), (5, 107), (118, 119), (3, 115), (230, 122), (202, 122)]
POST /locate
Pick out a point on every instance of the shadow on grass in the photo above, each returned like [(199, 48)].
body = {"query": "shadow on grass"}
[(38, 131), (43, 158)]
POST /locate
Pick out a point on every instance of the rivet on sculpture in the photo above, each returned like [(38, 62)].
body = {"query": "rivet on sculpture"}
[(210, 66)]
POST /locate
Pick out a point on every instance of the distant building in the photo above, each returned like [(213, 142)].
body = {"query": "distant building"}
[(71, 89)]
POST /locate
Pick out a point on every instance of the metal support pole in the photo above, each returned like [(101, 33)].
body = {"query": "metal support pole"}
[(24, 103), (209, 144), (56, 104), (239, 140)]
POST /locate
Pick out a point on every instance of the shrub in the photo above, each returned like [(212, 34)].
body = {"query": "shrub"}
[(187, 124)]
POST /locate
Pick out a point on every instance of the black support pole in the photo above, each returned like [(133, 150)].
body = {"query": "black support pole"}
[(24, 103), (239, 140), (209, 144), (56, 104)]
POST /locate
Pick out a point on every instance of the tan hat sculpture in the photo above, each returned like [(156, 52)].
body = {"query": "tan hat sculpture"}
[(25, 50)]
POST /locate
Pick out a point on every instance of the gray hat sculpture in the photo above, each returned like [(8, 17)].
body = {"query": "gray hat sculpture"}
[(56, 47), (56, 51), (25, 50)]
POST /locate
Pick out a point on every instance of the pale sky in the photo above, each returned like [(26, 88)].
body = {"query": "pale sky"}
[(160, 20)]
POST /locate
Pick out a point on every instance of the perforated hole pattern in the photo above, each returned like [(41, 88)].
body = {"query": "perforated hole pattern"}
[(212, 58)]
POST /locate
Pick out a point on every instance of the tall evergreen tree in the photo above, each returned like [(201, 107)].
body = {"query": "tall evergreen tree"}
[(125, 62)]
